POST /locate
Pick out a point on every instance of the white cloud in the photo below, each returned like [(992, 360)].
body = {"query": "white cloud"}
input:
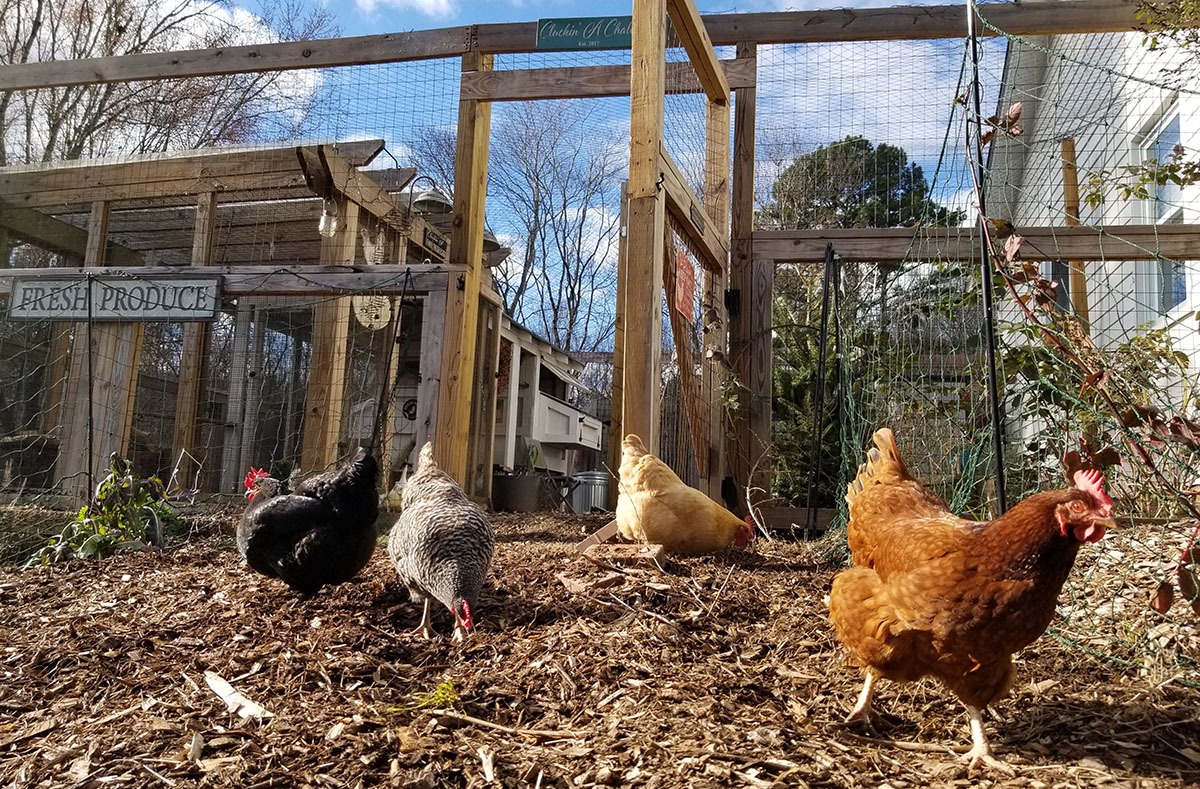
[(438, 9)]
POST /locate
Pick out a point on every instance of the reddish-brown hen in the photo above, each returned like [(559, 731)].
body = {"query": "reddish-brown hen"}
[(935, 595)]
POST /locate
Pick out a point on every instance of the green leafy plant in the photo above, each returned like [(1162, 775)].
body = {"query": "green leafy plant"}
[(125, 512)]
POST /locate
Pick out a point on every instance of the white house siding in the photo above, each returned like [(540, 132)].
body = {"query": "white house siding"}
[(1109, 92)]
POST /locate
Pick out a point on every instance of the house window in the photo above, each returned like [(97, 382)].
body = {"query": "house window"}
[(1167, 208), (1060, 272)]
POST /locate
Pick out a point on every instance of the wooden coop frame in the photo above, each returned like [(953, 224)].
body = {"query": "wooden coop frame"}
[(737, 259)]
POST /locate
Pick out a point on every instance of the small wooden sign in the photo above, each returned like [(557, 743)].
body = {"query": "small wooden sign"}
[(114, 299), (585, 32), (435, 241), (685, 285)]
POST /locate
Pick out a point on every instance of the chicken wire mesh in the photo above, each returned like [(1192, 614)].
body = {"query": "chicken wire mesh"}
[(1110, 378)]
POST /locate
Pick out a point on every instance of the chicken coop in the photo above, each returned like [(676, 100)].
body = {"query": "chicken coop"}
[(208, 357)]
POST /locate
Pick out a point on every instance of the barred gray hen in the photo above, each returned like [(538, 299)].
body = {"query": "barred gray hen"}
[(321, 533), (441, 545)]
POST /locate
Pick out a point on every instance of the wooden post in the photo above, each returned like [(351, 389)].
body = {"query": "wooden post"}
[(101, 383), (253, 390), (235, 408), (327, 371), (513, 400), (1070, 174), (455, 389), (750, 329), (433, 316), (483, 416), (193, 362), (615, 424), (714, 318), (645, 228)]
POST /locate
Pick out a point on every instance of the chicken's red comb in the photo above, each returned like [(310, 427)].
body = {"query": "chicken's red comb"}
[(1091, 481), (254, 475)]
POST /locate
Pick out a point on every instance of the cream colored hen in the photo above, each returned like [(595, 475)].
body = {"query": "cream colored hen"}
[(655, 506)]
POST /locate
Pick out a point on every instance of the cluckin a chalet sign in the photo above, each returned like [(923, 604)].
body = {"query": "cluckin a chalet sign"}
[(109, 298)]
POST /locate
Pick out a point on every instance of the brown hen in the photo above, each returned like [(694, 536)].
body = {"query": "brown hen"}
[(656, 506), (935, 595)]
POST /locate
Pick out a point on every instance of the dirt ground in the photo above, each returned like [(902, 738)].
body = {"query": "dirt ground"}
[(710, 671)]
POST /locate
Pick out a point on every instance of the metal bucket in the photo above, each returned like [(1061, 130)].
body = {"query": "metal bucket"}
[(591, 491)]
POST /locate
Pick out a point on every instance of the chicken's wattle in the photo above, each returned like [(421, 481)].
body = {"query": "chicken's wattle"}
[(1091, 532)]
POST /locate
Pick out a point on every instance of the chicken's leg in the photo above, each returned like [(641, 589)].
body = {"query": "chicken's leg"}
[(423, 628), (862, 712), (981, 752)]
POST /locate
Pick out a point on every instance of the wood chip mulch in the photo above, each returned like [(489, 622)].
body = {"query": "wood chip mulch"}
[(707, 671)]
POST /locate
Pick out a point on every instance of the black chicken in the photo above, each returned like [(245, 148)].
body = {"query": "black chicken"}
[(441, 545), (321, 533)]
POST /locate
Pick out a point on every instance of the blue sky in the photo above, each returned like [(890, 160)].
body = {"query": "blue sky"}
[(367, 17)]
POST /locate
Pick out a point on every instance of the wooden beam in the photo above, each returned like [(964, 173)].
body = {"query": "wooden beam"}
[(783, 27), (456, 388), (327, 372), (894, 245), (686, 207), (901, 23), (193, 360), (574, 82), (746, 446), (433, 315), (694, 37), (615, 424), (54, 235), (1078, 276), (311, 53), (101, 385), (357, 186), (483, 415), (645, 228), (713, 316), (150, 177), (282, 279), (97, 238)]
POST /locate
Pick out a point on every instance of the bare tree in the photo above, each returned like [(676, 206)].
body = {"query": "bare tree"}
[(68, 122), (554, 195)]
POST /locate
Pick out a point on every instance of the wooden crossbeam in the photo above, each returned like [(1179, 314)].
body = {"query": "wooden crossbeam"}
[(682, 203), (588, 81), (282, 279), (319, 53), (782, 27), (54, 235), (215, 170), (894, 245), (357, 186), (694, 37)]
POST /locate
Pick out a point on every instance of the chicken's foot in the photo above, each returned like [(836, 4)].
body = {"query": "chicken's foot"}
[(980, 754)]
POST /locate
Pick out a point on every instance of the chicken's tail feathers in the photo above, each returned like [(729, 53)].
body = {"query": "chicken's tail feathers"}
[(884, 464)]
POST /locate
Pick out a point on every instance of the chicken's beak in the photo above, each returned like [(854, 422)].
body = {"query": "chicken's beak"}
[(1107, 523)]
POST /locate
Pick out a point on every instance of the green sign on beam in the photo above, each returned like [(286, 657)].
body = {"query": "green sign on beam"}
[(585, 32)]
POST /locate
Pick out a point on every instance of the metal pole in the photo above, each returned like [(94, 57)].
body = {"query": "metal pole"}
[(985, 270), (827, 294), (91, 392)]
